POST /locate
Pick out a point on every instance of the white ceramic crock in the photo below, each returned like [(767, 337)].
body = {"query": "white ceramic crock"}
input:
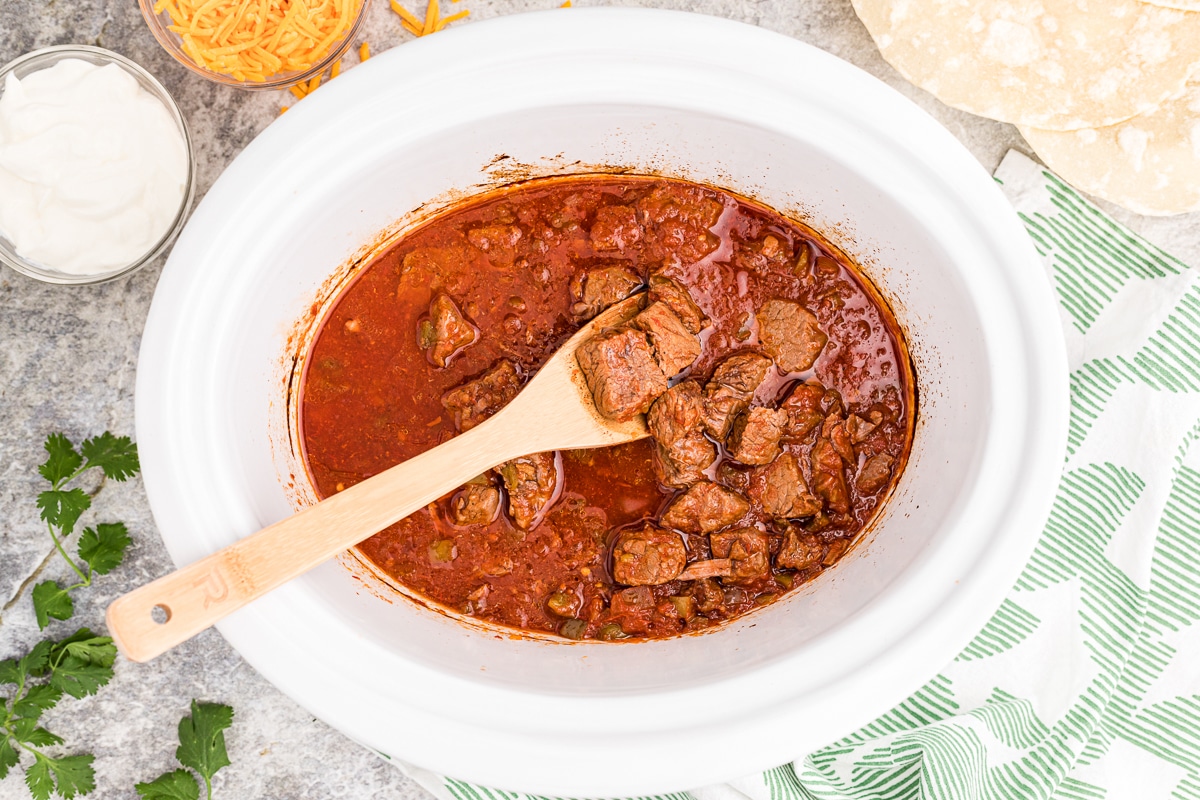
[(661, 92)]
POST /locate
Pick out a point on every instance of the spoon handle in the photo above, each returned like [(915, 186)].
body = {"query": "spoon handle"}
[(195, 597)]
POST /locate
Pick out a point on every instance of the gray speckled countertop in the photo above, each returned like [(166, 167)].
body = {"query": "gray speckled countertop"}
[(67, 363)]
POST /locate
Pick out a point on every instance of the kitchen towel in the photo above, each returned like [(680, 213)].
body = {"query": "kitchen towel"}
[(1085, 683)]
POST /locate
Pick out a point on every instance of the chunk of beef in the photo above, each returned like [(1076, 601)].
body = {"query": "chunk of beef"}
[(734, 476), (709, 597), (834, 429), (648, 556), (600, 287), (675, 348), (446, 333), (691, 205), (748, 552), (615, 228), (799, 550), (721, 407), (742, 372), (875, 473), (770, 254), (832, 403), (679, 299), (755, 436), (780, 489), (532, 484), (676, 223), (829, 477), (621, 373), (676, 421), (679, 243), (712, 568), (731, 388), (497, 242), (790, 334), (476, 504), (704, 508), (835, 550), (476, 400), (860, 428), (803, 407)]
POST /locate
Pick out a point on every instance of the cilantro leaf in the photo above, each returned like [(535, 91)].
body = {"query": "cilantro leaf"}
[(9, 672), (116, 455), (37, 660), (103, 547), (67, 776), (62, 459), (86, 646), (177, 785), (37, 778), (51, 600), (8, 757), (82, 663), (201, 741), (80, 679), (62, 508), (40, 737), (38, 698)]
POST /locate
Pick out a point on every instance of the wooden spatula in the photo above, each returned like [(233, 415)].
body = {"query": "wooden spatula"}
[(553, 412)]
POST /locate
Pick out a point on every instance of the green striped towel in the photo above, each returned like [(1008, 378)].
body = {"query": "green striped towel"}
[(1086, 681)]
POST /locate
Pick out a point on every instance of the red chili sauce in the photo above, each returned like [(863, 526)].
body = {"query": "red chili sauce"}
[(507, 277)]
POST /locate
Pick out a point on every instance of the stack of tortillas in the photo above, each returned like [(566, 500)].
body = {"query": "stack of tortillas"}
[(1107, 92)]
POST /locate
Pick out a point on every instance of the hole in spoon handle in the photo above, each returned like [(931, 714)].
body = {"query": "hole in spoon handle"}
[(160, 615)]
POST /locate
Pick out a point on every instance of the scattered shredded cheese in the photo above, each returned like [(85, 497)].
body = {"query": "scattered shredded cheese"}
[(251, 40), (433, 21)]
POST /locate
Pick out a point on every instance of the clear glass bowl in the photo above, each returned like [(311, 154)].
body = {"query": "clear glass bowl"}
[(48, 57), (159, 26)]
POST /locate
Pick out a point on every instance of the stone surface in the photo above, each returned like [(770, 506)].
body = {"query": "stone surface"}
[(68, 360)]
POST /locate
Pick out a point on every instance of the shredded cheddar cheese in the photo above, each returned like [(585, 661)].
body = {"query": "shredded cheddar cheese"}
[(251, 40), (433, 21)]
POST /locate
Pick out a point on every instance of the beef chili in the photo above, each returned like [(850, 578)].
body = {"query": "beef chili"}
[(773, 377)]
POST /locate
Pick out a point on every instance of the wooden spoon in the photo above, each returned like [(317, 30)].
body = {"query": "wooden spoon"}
[(553, 412)]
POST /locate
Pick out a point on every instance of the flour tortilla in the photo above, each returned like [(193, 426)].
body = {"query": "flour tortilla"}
[(1149, 164), (1052, 64), (1182, 5)]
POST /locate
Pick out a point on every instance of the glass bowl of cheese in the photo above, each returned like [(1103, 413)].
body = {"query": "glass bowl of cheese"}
[(97, 172), (255, 44)]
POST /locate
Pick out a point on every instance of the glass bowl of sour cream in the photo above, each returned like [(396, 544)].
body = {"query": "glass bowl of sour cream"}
[(97, 172)]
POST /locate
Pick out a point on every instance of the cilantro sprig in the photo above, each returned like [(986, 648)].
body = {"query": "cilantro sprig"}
[(77, 666), (201, 748), (100, 549)]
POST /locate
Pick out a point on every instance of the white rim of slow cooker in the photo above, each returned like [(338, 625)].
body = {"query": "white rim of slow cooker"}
[(497, 728)]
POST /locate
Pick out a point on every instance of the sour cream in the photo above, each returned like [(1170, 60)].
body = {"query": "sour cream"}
[(93, 167)]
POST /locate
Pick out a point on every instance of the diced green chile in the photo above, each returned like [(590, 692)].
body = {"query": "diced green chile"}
[(611, 631), (573, 629), (443, 551), (426, 336), (563, 603), (684, 606)]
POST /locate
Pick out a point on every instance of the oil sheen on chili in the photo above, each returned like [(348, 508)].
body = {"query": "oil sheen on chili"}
[(778, 392)]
